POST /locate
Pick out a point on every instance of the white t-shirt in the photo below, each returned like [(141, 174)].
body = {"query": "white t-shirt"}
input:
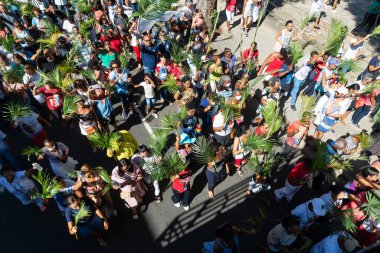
[(20, 186), (328, 245), (148, 89), (29, 125), (279, 235), (306, 216), (351, 50), (316, 5), (67, 26), (219, 122), (369, 223), (302, 73)]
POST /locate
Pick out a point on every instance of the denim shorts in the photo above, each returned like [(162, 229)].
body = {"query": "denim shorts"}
[(150, 101)]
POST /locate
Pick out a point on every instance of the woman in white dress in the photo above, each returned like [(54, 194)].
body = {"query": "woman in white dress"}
[(251, 10), (60, 161)]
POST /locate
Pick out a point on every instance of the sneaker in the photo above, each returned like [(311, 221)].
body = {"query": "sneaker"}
[(266, 187), (155, 115), (334, 11), (124, 115), (293, 107), (325, 5), (186, 208), (246, 33), (177, 204)]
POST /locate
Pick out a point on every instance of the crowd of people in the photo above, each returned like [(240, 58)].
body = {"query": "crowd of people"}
[(72, 61)]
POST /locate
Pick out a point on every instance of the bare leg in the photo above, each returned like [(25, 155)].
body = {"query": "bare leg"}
[(344, 117)]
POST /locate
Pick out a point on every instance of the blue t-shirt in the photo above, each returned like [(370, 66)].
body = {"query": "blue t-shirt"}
[(149, 56), (285, 80), (71, 213), (104, 109), (121, 86)]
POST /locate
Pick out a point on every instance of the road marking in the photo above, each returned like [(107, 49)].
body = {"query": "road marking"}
[(145, 123)]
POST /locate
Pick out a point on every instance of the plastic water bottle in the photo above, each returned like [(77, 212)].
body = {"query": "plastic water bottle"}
[(56, 99), (36, 166)]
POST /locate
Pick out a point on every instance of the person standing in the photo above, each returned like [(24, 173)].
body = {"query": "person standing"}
[(369, 18), (148, 54), (273, 62), (297, 177), (335, 243), (309, 212), (315, 12), (230, 12), (181, 188), (149, 94)]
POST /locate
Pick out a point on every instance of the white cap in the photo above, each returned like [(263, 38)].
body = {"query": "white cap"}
[(342, 90)]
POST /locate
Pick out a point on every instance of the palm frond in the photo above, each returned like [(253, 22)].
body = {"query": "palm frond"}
[(151, 9), (82, 213), (376, 31), (88, 74), (169, 122), (124, 58), (86, 26), (31, 151), (307, 106), (13, 110), (69, 65), (83, 6), (350, 65), (49, 186), (272, 117), (258, 143), (69, 107), (248, 91), (370, 88), (177, 53), (103, 174), (296, 51), (105, 141), (13, 75), (264, 167), (305, 21), (197, 61), (26, 9), (171, 164), (365, 140), (54, 77), (343, 221), (336, 35), (8, 41), (229, 111), (372, 205), (258, 221), (170, 84), (203, 151), (214, 22), (157, 143), (181, 115), (49, 41)]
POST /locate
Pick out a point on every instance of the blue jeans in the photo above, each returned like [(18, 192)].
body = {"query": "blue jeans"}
[(183, 197), (296, 87), (360, 113), (150, 101), (148, 70)]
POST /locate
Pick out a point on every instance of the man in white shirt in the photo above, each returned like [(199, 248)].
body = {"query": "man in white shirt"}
[(300, 78), (309, 212), (150, 100), (18, 183), (222, 128), (335, 244)]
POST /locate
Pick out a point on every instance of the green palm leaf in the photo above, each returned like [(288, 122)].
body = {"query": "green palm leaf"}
[(229, 111), (13, 75), (376, 31), (177, 53), (171, 164), (336, 35), (157, 143), (8, 41), (26, 9), (170, 84), (372, 205), (370, 88), (31, 151), (82, 214), (305, 21), (88, 74), (49, 186), (169, 122), (272, 117), (49, 41), (350, 65), (124, 58), (258, 221), (103, 174), (86, 26), (307, 106), (365, 140), (83, 6), (203, 151), (69, 65), (258, 143), (69, 107), (105, 141), (296, 51), (151, 9), (264, 167), (343, 221), (54, 77), (13, 110)]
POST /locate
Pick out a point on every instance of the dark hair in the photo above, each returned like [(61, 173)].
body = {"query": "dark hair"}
[(5, 168), (243, 129), (114, 62), (313, 53), (354, 86), (70, 199), (289, 22), (48, 140), (290, 220), (142, 148), (124, 162), (185, 79), (288, 60), (370, 171), (335, 189), (190, 105), (283, 53), (92, 63), (273, 80)]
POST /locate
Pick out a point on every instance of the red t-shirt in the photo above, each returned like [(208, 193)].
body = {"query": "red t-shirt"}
[(51, 102), (115, 42), (231, 5), (298, 175), (247, 55), (318, 70), (183, 183)]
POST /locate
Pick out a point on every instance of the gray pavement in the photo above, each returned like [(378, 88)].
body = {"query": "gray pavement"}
[(162, 227)]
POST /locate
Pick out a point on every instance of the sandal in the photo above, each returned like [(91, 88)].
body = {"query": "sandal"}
[(240, 172), (102, 242), (158, 199)]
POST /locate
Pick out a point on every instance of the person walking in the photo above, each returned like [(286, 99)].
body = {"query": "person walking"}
[(369, 18)]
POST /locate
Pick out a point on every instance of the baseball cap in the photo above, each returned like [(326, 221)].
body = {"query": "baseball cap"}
[(334, 61), (350, 244), (318, 206), (342, 90), (185, 139)]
